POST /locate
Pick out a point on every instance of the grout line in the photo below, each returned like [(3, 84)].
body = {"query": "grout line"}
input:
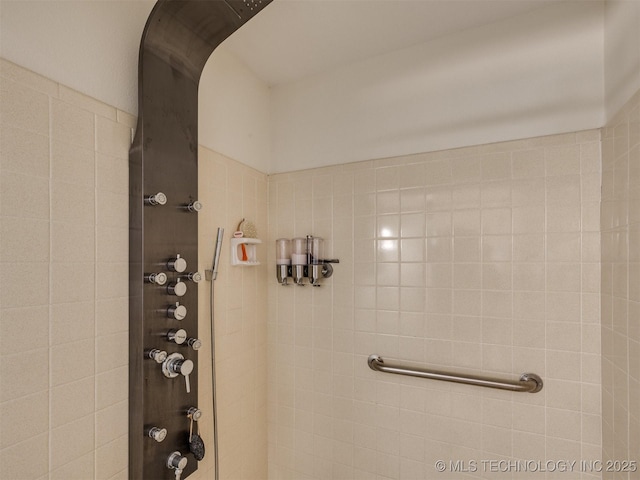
[(50, 300), (95, 293)]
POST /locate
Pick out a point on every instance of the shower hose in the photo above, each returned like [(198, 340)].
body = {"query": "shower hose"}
[(214, 274)]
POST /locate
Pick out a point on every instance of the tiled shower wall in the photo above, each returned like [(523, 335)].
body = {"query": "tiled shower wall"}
[(231, 191), (64, 291), (621, 286), (63, 288), (483, 260)]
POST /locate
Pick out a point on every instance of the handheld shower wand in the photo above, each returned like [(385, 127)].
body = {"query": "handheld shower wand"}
[(213, 273), (216, 256)]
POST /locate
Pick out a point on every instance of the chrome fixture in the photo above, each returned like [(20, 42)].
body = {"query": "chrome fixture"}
[(177, 264), (177, 462), (529, 382), (177, 336), (178, 288), (177, 311), (194, 413), (158, 355), (158, 434), (213, 273), (157, 278), (302, 258), (195, 277), (180, 337), (194, 206), (175, 365), (194, 343), (157, 199)]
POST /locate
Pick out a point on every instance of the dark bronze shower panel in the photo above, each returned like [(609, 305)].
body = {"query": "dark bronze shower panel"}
[(178, 38)]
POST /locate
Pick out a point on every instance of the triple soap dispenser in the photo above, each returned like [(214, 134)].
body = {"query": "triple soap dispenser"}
[(302, 258)]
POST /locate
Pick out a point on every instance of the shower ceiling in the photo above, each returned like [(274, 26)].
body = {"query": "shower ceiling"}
[(293, 39)]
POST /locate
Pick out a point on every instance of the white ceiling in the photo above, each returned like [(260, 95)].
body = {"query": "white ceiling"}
[(292, 39)]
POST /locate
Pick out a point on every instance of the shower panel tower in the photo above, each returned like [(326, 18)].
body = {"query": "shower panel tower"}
[(178, 38)]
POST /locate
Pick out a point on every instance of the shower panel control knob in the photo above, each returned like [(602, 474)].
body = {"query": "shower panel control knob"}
[(195, 277), (177, 264), (178, 288), (195, 413), (177, 336), (176, 461), (158, 355), (157, 199), (178, 311), (194, 206), (157, 278), (175, 365), (194, 343), (158, 434)]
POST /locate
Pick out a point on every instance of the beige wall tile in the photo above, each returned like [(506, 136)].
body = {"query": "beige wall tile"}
[(73, 164), (112, 351), (112, 316), (24, 152), (618, 273), (24, 240), (72, 242), (518, 261), (23, 419), (34, 465), (72, 441), (71, 322), (72, 282), (28, 78), (111, 423), (47, 287), (72, 361), (112, 387), (72, 203), (24, 196), (112, 209), (23, 107), (108, 279), (24, 329), (24, 284), (23, 374), (111, 242), (87, 103), (72, 125), (112, 174), (71, 401), (82, 467), (112, 138)]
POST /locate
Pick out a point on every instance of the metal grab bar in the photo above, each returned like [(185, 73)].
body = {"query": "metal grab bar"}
[(529, 382)]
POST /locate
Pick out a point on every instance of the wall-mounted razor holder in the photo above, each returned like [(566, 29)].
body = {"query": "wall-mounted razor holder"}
[(241, 246)]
